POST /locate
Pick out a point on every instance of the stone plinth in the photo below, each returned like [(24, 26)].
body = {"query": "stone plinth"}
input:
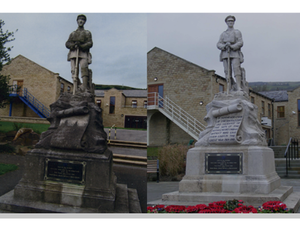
[(76, 181), (99, 180), (257, 173)]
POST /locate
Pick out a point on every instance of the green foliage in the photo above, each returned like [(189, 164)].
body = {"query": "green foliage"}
[(172, 159), (5, 37), (118, 87), (152, 151), (4, 168), (273, 86), (9, 126), (7, 148), (4, 91)]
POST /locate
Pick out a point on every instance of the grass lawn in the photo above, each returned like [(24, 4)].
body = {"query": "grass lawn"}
[(9, 126), (152, 151), (4, 168)]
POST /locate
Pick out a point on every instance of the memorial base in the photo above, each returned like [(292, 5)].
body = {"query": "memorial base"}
[(233, 172), (69, 181)]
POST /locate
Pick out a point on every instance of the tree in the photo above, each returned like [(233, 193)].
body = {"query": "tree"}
[(5, 37)]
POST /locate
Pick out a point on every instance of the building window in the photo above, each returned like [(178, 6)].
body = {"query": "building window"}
[(252, 100), (269, 110), (112, 103), (62, 87), (221, 88), (263, 107), (69, 89), (134, 103), (98, 102), (145, 104), (280, 112)]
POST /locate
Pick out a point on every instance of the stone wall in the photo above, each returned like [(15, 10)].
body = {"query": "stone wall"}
[(43, 84), (292, 113), (122, 108)]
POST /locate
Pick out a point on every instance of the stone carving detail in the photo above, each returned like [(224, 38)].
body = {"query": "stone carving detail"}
[(231, 119), (76, 123)]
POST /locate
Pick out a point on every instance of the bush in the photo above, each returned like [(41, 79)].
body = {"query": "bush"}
[(7, 148), (172, 159)]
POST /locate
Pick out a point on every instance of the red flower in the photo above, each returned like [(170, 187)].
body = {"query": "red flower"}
[(175, 208), (245, 209)]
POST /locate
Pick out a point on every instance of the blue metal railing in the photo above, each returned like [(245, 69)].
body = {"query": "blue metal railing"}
[(27, 97)]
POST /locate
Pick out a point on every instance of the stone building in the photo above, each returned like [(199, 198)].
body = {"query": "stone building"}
[(35, 83), (286, 114), (123, 108), (190, 88)]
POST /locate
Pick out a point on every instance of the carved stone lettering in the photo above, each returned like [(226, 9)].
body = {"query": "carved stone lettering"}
[(225, 130)]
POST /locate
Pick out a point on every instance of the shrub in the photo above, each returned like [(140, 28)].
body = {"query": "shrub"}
[(7, 148), (172, 159)]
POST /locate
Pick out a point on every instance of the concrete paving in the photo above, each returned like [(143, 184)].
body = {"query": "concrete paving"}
[(128, 135), (155, 190)]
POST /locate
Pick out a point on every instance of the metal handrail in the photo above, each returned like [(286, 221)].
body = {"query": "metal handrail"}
[(291, 152), (155, 101), (14, 89)]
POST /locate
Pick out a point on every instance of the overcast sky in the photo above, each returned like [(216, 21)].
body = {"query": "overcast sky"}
[(271, 41), (119, 44)]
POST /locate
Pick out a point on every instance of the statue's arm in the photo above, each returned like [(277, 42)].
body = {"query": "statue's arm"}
[(239, 43), (88, 44), (221, 45), (70, 44)]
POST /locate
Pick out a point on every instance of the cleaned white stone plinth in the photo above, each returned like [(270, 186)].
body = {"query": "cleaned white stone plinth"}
[(258, 171)]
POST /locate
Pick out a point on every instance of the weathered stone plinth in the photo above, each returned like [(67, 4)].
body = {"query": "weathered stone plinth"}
[(71, 168), (96, 191)]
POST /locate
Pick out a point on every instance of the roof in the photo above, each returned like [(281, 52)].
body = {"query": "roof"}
[(135, 93), (278, 96), (21, 56), (126, 93), (99, 93), (159, 49)]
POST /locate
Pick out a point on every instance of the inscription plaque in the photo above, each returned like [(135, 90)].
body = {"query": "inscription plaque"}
[(65, 171), (218, 163), (225, 130)]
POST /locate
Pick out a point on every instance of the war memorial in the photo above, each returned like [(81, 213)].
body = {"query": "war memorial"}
[(231, 159), (70, 170)]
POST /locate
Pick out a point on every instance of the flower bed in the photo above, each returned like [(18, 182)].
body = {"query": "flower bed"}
[(231, 206)]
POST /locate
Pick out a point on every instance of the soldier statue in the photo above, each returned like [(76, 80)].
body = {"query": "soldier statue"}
[(230, 44), (79, 43)]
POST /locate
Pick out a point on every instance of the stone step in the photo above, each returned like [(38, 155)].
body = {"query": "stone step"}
[(121, 204), (134, 202), (293, 201)]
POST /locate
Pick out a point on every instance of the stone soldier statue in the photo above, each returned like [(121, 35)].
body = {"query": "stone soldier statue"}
[(79, 43), (230, 44)]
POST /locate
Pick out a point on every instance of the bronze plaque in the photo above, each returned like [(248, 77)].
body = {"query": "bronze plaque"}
[(220, 163), (65, 171)]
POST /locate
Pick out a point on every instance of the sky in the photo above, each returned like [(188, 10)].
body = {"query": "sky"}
[(119, 44), (124, 31), (271, 41)]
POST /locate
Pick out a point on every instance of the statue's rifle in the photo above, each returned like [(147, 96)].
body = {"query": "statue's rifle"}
[(75, 79), (228, 78)]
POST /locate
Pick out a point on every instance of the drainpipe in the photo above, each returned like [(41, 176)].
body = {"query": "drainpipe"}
[(10, 108)]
